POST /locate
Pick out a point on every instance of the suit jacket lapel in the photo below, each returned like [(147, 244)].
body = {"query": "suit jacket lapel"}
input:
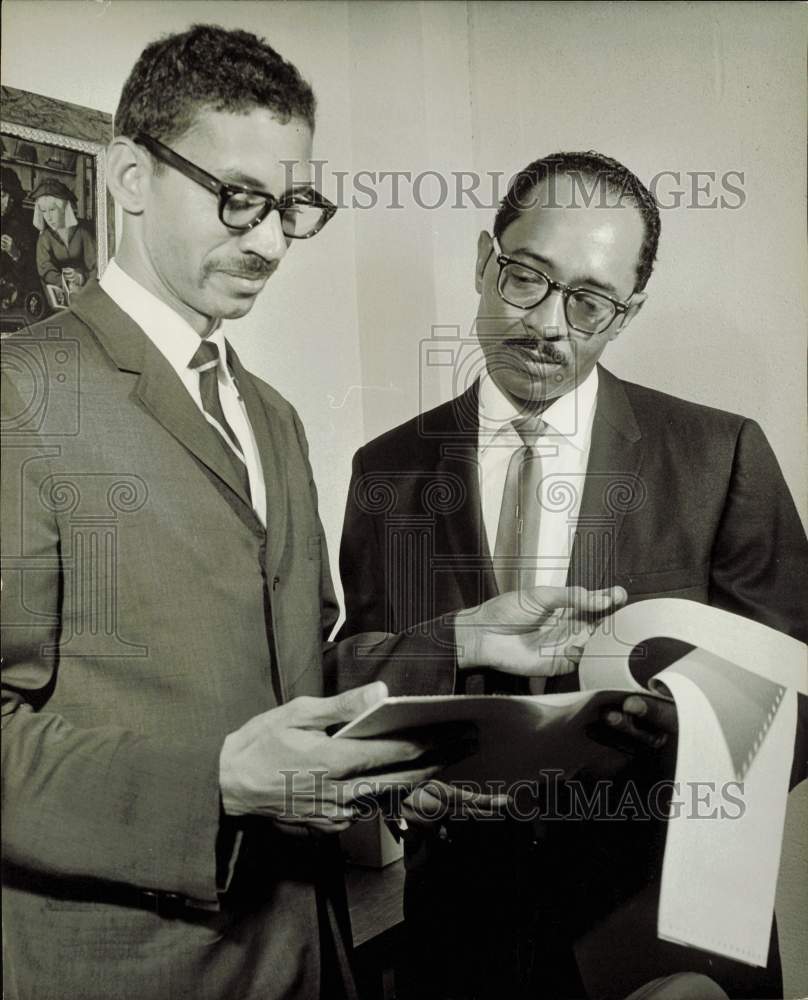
[(160, 390), (465, 533), (270, 449), (612, 486)]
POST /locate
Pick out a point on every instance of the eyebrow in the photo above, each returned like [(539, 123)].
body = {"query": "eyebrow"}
[(577, 282), (232, 175)]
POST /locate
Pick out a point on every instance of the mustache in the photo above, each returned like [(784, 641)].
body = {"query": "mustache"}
[(246, 267), (541, 348)]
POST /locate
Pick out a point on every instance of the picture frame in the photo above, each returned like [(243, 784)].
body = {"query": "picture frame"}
[(59, 149)]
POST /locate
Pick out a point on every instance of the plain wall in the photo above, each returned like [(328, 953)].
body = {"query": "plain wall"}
[(483, 88), (681, 87)]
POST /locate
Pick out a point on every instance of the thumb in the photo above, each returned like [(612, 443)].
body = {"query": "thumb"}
[(609, 599), (322, 712)]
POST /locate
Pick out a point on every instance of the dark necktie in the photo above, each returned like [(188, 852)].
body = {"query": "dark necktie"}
[(206, 362), (517, 544)]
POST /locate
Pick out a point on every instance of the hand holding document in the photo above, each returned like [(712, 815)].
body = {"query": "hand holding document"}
[(736, 700)]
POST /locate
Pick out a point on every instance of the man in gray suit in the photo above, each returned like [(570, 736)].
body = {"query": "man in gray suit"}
[(169, 783)]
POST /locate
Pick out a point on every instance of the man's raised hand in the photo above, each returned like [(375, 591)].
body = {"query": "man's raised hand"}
[(539, 632)]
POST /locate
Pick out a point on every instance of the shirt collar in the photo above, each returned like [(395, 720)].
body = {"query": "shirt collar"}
[(569, 416), (172, 335)]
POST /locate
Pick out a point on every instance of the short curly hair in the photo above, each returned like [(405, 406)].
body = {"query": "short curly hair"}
[(592, 166), (208, 67)]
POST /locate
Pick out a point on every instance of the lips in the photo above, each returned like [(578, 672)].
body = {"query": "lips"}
[(247, 275)]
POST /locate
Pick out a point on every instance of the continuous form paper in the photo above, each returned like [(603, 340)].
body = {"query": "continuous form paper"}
[(736, 700)]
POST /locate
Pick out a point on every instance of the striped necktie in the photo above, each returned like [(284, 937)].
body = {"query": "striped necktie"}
[(206, 362), (517, 543)]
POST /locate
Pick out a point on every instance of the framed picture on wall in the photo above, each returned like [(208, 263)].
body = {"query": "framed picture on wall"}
[(57, 217)]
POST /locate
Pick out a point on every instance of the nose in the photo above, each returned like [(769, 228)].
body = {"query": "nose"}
[(267, 239), (548, 320)]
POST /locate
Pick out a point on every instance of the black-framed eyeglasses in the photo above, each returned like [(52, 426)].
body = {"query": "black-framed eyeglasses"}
[(303, 212), (526, 286)]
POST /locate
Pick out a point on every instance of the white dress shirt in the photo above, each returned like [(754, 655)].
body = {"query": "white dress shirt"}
[(564, 451), (177, 341)]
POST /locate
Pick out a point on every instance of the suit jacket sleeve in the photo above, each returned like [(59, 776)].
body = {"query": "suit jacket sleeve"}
[(760, 555), (360, 564), (419, 661), (100, 802)]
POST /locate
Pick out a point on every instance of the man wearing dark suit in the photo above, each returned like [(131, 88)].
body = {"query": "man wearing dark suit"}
[(631, 487), (169, 787)]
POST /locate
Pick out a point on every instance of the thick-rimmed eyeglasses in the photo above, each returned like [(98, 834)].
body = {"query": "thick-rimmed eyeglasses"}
[(303, 213), (525, 287)]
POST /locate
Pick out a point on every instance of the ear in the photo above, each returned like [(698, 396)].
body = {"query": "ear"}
[(129, 172), (485, 247), (636, 301)]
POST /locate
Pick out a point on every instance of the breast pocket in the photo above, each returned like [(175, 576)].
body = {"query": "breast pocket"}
[(689, 583)]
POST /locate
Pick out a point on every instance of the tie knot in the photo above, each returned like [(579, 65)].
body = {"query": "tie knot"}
[(205, 357), (529, 428)]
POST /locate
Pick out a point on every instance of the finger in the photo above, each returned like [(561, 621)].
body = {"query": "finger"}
[(318, 713), (599, 601), (444, 743), (581, 628), (619, 595), (429, 798), (351, 758), (542, 600), (428, 803), (625, 725), (584, 601), (547, 662), (420, 818), (432, 761), (652, 713), (395, 782), (574, 651), (563, 662), (330, 827), (465, 795), (442, 790), (423, 811), (329, 803), (324, 811), (556, 662), (314, 823), (435, 800)]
